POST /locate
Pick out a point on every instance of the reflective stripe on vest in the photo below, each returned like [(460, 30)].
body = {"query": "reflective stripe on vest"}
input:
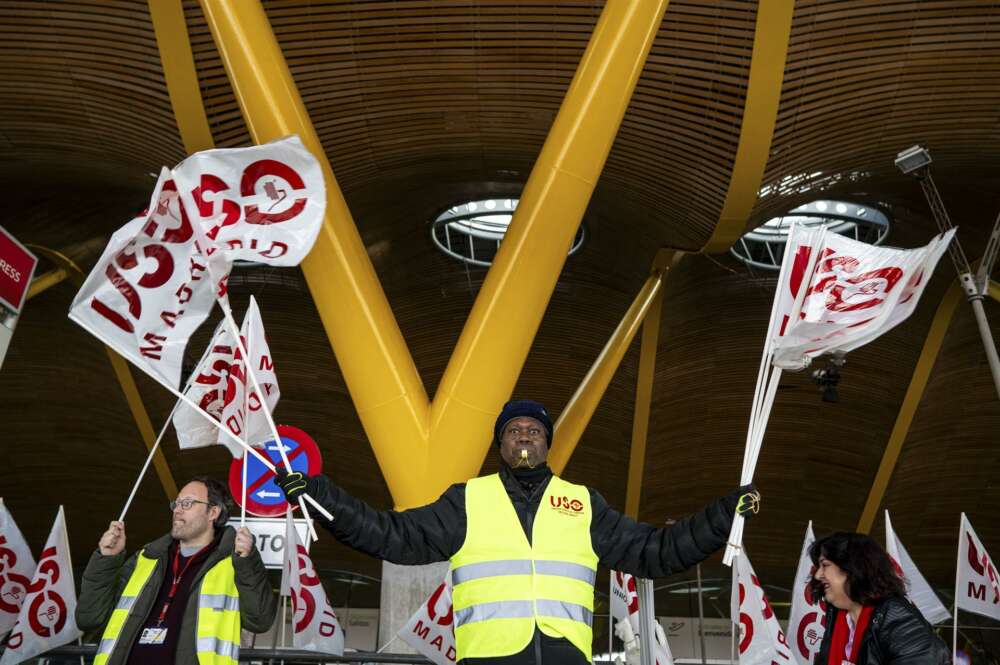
[(218, 628), (144, 567), (504, 587)]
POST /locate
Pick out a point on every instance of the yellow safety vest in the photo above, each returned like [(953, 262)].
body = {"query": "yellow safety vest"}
[(503, 586), (218, 629)]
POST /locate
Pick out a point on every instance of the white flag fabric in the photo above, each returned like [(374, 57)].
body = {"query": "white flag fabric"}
[(263, 204), (833, 295), (219, 386), (807, 619), (855, 293), (762, 641), (46, 620), (16, 569), (315, 625), (250, 423), (977, 585), (917, 589), (625, 605), (150, 289), (431, 629)]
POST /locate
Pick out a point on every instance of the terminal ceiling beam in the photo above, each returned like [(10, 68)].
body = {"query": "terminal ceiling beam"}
[(405, 430), (643, 400), (67, 269), (908, 409), (172, 39), (574, 418), (760, 111)]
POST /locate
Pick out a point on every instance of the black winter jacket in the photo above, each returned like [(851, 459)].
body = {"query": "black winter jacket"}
[(897, 635), (435, 532)]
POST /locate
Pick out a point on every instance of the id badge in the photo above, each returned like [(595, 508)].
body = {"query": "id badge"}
[(153, 636)]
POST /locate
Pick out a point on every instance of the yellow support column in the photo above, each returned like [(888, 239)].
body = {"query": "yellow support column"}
[(760, 111), (491, 350), (994, 290), (170, 27), (574, 418), (377, 367), (379, 372), (643, 399), (908, 409)]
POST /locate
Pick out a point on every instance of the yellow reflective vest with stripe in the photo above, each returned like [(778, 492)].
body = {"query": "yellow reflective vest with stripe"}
[(504, 586), (218, 629)]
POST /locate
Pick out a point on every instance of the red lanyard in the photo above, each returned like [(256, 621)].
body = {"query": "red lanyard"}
[(177, 578)]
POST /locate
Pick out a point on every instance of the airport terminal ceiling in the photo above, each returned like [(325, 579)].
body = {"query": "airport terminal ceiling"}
[(421, 105)]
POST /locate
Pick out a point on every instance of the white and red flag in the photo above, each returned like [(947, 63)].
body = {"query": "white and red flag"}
[(150, 289), (431, 629), (220, 387), (917, 589), (833, 295), (263, 204), (977, 585), (315, 625), (807, 619), (16, 568), (762, 642), (46, 620), (625, 605), (854, 293)]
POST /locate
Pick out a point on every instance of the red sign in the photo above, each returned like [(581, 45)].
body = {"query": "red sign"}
[(264, 497), (17, 265)]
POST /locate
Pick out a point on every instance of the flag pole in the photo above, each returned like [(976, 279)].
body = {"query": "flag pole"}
[(152, 451), (235, 332), (958, 566), (246, 432), (124, 353)]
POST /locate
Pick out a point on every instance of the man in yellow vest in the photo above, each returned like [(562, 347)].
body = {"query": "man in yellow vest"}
[(182, 598), (524, 545)]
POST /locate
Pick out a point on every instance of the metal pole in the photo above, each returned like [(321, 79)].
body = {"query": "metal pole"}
[(647, 633), (701, 616), (988, 344)]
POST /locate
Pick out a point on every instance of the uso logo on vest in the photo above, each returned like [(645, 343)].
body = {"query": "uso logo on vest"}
[(566, 506)]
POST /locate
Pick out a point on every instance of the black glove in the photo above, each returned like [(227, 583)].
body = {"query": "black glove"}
[(293, 484), (747, 501)]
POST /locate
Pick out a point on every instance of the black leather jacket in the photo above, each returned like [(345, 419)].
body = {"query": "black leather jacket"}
[(436, 531), (897, 635)]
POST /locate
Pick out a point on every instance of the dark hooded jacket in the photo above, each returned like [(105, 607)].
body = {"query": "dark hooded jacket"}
[(106, 576), (897, 635), (435, 532)]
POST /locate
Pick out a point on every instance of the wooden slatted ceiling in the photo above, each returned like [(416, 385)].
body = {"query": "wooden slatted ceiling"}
[(865, 80), (438, 101), (82, 85)]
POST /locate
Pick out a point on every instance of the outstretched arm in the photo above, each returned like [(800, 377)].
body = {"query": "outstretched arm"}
[(417, 536), (647, 551)]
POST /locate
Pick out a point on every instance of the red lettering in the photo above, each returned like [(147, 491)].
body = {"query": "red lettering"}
[(437, 642), (977, 592), (155, 348), (230, 209), (421, 630)]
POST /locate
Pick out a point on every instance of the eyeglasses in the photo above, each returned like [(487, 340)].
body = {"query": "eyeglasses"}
[(186, 503)]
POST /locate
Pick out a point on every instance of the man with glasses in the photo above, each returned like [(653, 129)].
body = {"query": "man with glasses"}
[(184, 597), (524, 545)]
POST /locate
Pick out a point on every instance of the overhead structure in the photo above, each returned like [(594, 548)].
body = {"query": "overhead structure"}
[(916, 161)]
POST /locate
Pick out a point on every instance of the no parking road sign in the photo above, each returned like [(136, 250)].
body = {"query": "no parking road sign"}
[(264, 497)]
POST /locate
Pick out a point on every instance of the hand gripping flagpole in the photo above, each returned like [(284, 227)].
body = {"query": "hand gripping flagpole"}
[(768, 378), (248, 362)]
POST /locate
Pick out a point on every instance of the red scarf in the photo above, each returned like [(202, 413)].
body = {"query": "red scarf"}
[(838, 643)]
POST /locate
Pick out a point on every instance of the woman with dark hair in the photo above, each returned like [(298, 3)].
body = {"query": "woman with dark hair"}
[(869, 621)]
